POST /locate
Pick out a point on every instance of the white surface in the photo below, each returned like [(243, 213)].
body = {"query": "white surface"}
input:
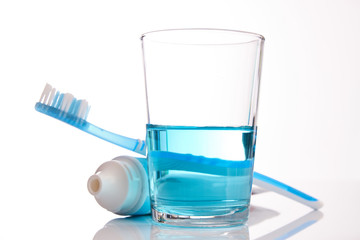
[(308, 116)]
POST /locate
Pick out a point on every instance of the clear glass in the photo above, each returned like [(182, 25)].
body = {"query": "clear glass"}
[(202, 88)]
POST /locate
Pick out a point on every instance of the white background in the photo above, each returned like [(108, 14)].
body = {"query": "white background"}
[(309, 100)]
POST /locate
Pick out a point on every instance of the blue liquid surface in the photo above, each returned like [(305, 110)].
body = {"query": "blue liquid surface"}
[(200, 171)]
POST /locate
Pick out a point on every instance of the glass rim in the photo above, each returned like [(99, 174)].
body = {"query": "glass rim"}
[(253, 37)]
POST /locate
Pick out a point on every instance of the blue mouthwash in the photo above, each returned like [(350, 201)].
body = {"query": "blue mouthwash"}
[(200, 171)]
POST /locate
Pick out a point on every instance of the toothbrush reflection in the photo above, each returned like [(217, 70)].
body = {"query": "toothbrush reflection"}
[(293, 227), (143, 228)]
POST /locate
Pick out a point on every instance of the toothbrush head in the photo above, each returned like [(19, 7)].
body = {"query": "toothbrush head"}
[(63, 106)]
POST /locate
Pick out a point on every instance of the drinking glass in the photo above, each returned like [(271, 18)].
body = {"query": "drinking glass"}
[(202, 88)]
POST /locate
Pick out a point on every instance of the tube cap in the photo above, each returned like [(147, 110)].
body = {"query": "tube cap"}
[(120, 185)]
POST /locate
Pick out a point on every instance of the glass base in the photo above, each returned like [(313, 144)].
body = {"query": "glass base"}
[(234, 218)]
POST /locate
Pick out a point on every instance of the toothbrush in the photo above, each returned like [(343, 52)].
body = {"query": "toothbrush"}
[(293, 227), (65, 107), (281, 188), (217, 166)]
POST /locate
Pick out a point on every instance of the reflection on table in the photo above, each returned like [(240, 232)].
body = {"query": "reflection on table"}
[(143, 228)]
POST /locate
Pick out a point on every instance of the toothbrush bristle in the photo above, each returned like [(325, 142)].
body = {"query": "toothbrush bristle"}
[(45, 94), (65, 102), (52, 95)]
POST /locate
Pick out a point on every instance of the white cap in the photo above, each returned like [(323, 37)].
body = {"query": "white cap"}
[(120, 185)]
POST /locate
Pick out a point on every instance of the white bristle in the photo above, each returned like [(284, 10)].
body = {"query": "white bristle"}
[(63, 102), (83, 109), (52, 95), (67, 100), (45, 94)]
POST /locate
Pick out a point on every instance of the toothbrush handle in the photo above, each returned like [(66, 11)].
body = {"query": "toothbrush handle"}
[(165, 161), (285, 190), (135, 145)]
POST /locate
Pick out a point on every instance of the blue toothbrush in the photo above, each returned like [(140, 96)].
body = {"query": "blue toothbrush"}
[(65, 107)]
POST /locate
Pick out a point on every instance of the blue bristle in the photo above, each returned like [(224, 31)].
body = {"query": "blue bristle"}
[(87, 113), (56, 97), (72, 106), (58, 104), (76, 107)]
